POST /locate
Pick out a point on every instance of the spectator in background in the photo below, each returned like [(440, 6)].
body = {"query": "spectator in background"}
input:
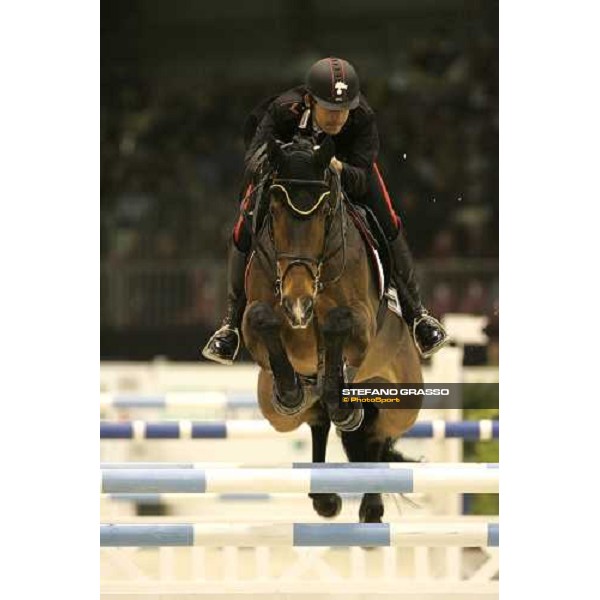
[(475, 300), (169, 152)]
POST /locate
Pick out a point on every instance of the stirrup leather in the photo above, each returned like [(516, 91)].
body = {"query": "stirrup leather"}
[(209, 354)]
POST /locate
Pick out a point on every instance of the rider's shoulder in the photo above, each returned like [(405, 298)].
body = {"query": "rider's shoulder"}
[(363, 112), (290, 103)]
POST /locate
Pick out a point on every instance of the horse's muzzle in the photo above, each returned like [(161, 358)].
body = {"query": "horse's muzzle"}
[(299, 311)]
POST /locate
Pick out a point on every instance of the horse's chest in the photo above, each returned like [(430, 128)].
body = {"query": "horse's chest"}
[(301, 348)]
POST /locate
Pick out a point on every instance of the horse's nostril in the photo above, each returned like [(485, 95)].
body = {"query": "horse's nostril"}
[(298, 310), (290, 307), (307, 305)]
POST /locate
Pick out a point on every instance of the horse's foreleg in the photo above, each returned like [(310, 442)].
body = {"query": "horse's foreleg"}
[(288, 396), (336, 330), (326, 505)]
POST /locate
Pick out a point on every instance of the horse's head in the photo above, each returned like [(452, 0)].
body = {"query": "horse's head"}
[(302, 199)]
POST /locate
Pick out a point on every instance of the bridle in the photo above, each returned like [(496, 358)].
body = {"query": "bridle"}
[(330, 184), (269, 181), (313, 264)]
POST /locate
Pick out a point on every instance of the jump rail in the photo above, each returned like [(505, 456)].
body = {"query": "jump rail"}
[(311, 480), (251, 498), (298, 465), (179, 400), (303, 534), (252, 429)]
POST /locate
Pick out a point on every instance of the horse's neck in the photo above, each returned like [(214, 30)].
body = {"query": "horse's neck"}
[(343, 237), (263, 251)]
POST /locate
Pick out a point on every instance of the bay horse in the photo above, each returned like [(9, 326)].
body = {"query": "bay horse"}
[(311, 319)]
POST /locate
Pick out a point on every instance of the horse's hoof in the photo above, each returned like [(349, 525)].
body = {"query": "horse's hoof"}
[(289, 404), (347, 420), (370, 513), (327, 505)]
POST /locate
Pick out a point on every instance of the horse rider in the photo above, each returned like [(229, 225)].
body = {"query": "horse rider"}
[(330, 103)]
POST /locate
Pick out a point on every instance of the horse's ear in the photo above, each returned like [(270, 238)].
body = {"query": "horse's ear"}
[(325, 152), (274, 152)]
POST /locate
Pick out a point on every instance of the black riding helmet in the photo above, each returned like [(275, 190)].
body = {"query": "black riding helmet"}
[(334, 84)]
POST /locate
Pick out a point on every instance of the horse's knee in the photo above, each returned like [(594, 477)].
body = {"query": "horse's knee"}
[(339, 320), (261, 317)]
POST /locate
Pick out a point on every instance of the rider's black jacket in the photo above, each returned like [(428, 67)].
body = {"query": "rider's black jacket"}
[(357, 144)]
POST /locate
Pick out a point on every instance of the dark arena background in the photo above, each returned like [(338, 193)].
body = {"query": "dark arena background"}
[(180, 77)]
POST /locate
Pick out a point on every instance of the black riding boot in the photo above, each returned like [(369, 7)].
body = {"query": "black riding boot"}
[(428, 332), (224, 344)]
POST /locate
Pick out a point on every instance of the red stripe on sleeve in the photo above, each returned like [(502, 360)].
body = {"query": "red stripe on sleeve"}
[(240, 221), (247, 196), (388, 200)]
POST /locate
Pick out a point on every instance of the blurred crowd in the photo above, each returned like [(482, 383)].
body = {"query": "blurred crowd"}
[(171, 163)]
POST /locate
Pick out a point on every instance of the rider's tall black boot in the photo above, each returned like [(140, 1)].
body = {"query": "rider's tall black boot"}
[(428, 332), (224, 344)]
